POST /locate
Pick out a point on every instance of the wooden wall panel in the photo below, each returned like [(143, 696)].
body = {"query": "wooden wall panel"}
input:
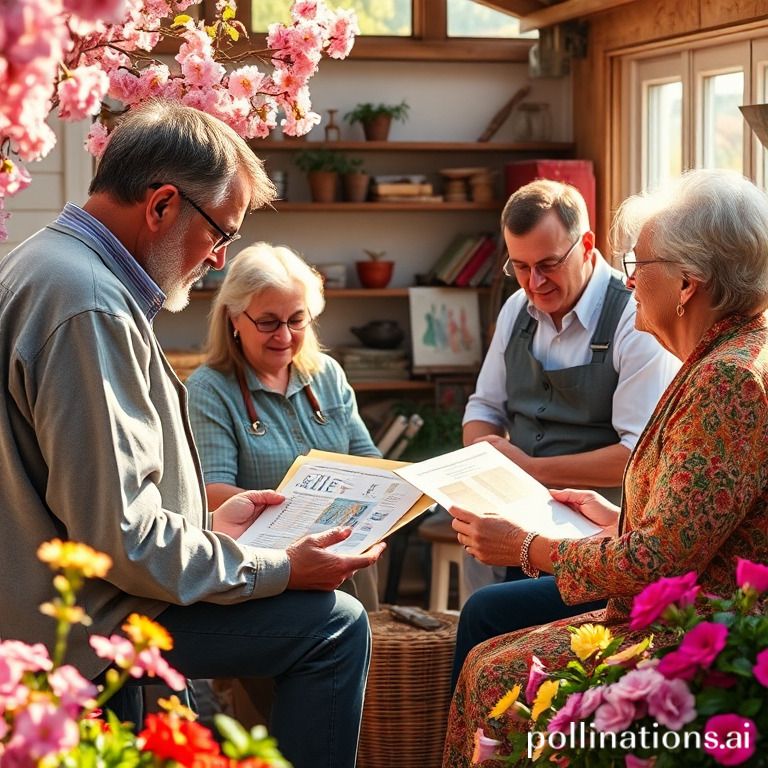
[(595, 96)]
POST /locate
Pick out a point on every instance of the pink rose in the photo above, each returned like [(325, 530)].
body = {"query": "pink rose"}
[(730, 739), (655, 598), (638, 684), (678, 665), (536, 676), (569, 713), (751, 575), (615, 714), (672, 704), (704, 642), (591, 700), (760, 670)]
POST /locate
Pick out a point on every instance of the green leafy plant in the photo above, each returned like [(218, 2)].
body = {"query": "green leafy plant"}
[(375, 255), (352, 165), (365, 112), (311, 160)]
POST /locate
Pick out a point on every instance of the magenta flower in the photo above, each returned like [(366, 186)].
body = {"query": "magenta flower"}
[(651, 603), (569, 713), (760, 670), (678, 665), (751, 575), (672, 704), (633, 761), (591, 700), (73, 690), (704, 642), (730, 739), (616, 713), (536, 676)]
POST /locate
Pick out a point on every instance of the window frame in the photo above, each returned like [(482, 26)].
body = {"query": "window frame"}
[(429, 42)]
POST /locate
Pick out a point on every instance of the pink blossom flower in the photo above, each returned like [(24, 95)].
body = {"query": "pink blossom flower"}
[(97, 139), (672, 704), (704, 642), (151, 663), (30, 658), (484, 747), (760, 670), (730, 739), (536, 676), (638, 684), (633, 761), (81, 93), (118, 649), (677, 664), (13, 178), (651, 603), (569, 713), (109, 11), (615, 714), (245, 81), (751, 575), (42, 728), (73, 690)]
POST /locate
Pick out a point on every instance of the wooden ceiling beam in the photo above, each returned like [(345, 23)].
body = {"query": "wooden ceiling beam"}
[(565, 11), (514, 7)]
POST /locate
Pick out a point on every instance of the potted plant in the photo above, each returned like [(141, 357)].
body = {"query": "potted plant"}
[(376, 119), (376, 272), (355, 180), (322, 167)]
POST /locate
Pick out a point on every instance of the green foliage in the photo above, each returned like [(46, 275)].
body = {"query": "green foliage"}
[(441, 432), (365, 112), (240, 744), (321, 160)]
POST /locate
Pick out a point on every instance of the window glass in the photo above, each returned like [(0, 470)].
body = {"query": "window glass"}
[(664, 132), (723, 124), (375, 17), (470, 19)]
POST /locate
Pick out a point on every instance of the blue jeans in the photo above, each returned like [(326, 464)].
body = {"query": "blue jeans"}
[(512, 605), (316, 645)]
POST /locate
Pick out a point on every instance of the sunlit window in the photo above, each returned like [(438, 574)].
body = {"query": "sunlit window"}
[(469, 19), (723, 124), (376, 17), (664, 132)]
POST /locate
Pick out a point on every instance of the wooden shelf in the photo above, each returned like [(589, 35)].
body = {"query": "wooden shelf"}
[(307, 207), (354, 293), (392, 386), (416, 146)]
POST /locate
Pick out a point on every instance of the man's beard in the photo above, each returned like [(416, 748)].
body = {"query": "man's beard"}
[(164, 263)]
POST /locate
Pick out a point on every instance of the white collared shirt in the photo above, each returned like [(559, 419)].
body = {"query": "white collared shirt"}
[(643, 366)]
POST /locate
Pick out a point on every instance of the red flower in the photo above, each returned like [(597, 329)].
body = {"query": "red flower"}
[(169, 737)]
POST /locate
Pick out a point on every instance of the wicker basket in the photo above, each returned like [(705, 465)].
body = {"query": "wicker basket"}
[(408, 694)]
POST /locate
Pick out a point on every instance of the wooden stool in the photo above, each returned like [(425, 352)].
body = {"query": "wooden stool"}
[(446, 549)]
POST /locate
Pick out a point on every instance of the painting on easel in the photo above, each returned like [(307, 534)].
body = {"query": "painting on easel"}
[(445, 329)]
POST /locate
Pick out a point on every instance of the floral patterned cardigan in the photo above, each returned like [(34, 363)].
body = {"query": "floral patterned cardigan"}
[(696, 496)]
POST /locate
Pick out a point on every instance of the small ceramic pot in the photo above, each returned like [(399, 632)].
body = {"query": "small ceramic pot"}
[(380, 334), (375, 274)]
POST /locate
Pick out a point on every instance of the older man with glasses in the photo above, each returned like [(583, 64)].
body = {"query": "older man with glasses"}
[(565, 389)]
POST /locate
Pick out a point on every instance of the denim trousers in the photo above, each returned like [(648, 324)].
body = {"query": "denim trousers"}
[(316, 646), (510, 606)]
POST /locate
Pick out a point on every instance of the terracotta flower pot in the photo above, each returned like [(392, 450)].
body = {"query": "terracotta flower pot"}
[(356, 187), (374, 274), (322, 186), (377, 129)]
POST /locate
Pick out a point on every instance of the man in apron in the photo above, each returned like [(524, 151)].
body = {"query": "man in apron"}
[(566, 387)]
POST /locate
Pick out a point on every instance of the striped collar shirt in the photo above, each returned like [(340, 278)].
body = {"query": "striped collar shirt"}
[(119, 259)]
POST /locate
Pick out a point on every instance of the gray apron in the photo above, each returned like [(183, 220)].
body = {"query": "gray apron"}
[(553, 413)]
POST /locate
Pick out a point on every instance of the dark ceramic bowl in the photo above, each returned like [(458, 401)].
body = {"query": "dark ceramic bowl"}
[(380, 334)]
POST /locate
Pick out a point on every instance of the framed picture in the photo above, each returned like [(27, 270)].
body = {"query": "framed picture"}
[(445, 330)]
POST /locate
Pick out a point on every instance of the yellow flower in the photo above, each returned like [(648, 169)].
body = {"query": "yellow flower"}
[(505, 702), (145, 632), (71, 555), (71, 614), (588, 639), (544, 696), (629, 653), (175, 707)]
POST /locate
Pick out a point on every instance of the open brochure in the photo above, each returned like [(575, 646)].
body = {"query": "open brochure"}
[(480, 477), (325, 489), (377, 496)]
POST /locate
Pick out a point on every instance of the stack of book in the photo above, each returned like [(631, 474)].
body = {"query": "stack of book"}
[(365, 364), (468, 261), (404, 189)]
